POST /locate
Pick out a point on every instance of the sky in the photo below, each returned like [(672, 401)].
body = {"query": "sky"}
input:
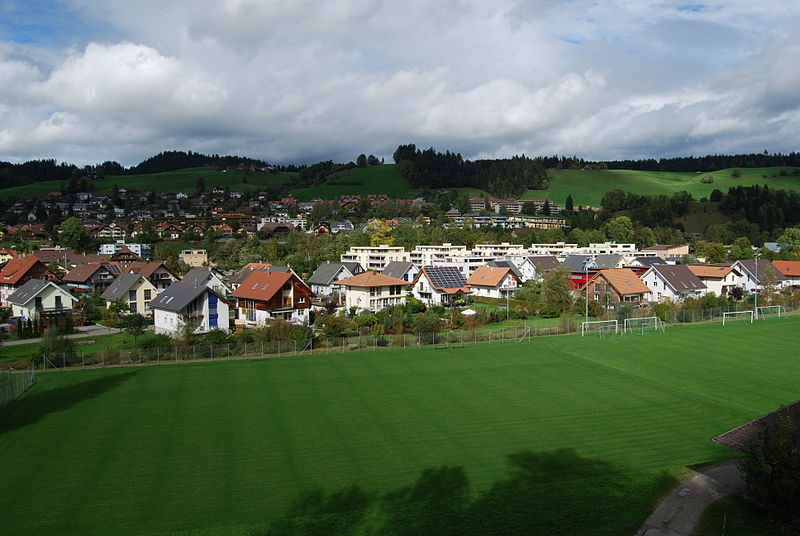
[(299, 81)]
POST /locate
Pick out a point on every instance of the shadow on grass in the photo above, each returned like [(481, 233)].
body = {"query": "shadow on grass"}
[(36, 404), (554, 492)]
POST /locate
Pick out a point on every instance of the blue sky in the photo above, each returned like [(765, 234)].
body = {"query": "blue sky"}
[(90, 80)]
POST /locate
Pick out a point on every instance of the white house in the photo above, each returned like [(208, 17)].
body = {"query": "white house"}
[(493, 282), (42, 299), (672, 283), (185, 303), (406, 271), (439, 286), (373, 291), (134, 290), (718, 279), (757, 274), (208, 277), (326, 275)]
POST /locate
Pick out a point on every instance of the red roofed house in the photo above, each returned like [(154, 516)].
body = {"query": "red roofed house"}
[(92, 277), (8, 254), (618, 285), (17, 272), (790, 270), (268, 295), (494, 281), (373, 290)]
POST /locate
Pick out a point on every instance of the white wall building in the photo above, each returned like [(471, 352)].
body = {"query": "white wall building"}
[(425, 255), (184, 303), (375, 257)]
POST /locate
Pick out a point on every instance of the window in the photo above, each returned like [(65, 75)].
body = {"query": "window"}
[(374, 291), (147, 306), (132, 295), (132, 307), (58, 302), (147, 294), (301, 300)]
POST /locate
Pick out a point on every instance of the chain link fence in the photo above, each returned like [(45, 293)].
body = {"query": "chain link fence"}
[(237, 349), (13, 384)]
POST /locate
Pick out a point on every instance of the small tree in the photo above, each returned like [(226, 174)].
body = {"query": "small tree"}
[(556, 294), (134, 325)]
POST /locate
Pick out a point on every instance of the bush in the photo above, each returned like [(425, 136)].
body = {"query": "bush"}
[(708, 179)]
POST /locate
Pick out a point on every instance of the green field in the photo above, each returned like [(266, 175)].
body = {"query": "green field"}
[(183, 180), (383, 179), (559, 435)]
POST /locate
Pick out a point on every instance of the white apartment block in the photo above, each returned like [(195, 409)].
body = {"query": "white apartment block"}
[(562, 249), (466, 264), (427, 255), (375, 257), (499, 250)]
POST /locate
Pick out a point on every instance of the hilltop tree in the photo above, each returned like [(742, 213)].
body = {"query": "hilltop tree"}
[(361, 161)]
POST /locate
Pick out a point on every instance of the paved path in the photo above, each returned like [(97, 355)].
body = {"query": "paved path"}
[(84, 332), (678, 513)]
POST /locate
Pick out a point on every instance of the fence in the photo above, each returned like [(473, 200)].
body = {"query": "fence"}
[(13, 384), (237, 349)]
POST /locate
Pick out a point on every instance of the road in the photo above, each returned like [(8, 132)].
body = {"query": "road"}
[(83, 332)]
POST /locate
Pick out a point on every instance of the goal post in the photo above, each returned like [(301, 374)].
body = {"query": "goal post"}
[(737, 316), (647, 324), (770, 311), (599, 326)]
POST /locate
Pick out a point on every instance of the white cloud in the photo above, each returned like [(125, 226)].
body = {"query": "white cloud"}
[(301, 80)]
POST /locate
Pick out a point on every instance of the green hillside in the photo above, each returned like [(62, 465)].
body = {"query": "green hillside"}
[(383, 179), (558, 436), (183, 180)]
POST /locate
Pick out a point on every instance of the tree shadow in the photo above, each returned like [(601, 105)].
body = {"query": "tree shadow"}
[(35, 405), (552, 492)]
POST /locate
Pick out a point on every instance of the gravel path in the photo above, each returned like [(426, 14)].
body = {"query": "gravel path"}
[(678, 513)]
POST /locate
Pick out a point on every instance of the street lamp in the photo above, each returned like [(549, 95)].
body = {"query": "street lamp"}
[(755, 298), (586, 288)]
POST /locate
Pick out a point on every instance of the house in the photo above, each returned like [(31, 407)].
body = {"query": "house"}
[(406, 271), (8, 254), (268, 295), (125, 256), (667, 251), (672, 283), (157, 272), (326, 275), (620, 285), (184, 304), (92, 277), (17, 272), (42, 299), (718, 279), (439, 286), (238, 278), (373, 291), (790, 270), (758, 273), (609, 262), (208, 277), (542, 264), (141, 250), (194, 257), (494, 282), (134, 290)]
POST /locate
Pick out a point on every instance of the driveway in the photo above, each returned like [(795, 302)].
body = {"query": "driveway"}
[(83, 332)]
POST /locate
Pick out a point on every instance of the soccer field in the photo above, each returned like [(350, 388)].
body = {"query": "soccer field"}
[(558, 435)]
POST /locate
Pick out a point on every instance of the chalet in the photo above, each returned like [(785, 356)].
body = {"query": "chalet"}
[(41, 299), (134, 290), (156, 272), (324, 278), (718, 279), (184, 304), (790, 271), (168, 231), (373, 291), (494, 282), (92, 277), (620, 285), (401, 270), (672, 283), (440, 286), (268, 295), (8, 254), (17, 272)]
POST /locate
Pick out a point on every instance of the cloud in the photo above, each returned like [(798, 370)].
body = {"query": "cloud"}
[(301, 80)]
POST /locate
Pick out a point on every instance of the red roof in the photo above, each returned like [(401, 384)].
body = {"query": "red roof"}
[(15, 269), (261, 285), (788, 268), (371, 279), (80, 274), (145, 269)]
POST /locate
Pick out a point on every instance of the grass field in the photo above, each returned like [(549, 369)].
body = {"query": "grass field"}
[(117, 341), (374, 180), (172, 181), (560, 435), (739, 518)]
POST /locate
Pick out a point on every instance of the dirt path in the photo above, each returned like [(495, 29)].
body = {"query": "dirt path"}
[(678, 513)]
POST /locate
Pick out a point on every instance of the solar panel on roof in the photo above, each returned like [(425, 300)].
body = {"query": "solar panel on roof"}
[(446, 277)]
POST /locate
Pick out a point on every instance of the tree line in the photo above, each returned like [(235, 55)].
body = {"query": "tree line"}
[(708, 163)]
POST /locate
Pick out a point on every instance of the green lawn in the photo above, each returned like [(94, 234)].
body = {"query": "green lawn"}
[(559, 435), (739, 518), (183, 180), (383, 179), (101, 343)]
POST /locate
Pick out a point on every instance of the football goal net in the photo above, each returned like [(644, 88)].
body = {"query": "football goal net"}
[(770, 311), (737, 316), (600, 327), (641, 326)]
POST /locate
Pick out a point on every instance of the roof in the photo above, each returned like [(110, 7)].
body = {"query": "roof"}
[(507, 264), (397, 268), (662, 247), (544, 263), (711, 271), (577, 263), (763, 267), (679, 277), (198, 275), (16, 268), (623, 280), (31, 289), (447, 279), (261, 285), (650, 261), (607, 261), (245, 272), (120, 287), (739, 437), (371, 279), (82, 273), (788, 268), (180, 294), (326, 272), (489, 276), (146, 269)]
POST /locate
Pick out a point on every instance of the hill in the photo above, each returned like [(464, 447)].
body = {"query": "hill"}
[(183, 180), (383, 179)]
